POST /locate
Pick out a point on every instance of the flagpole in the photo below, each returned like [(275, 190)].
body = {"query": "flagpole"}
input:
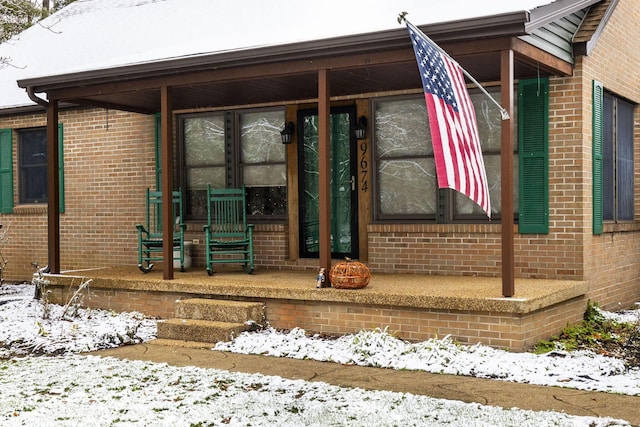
[(504, 114)]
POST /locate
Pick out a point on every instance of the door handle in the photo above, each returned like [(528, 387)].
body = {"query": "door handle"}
[(353, 183)]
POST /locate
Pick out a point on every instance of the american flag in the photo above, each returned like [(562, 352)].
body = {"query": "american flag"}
[(452, 120)]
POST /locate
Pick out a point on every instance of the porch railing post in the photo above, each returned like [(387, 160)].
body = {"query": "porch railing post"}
[(53, 188), (506, 191), (324, 145), (166, 124)]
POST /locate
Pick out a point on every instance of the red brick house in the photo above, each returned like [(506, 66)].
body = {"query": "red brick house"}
[(567, 71)]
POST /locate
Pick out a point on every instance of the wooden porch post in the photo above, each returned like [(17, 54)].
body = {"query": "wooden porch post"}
[(166, 124), (53, 188), (506, 191), (324, 152)]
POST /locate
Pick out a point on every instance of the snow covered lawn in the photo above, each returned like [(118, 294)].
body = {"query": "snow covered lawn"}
[(583, 370), (69, 389)]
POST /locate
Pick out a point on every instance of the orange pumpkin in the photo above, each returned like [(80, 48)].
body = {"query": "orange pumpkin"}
[(349, 275)]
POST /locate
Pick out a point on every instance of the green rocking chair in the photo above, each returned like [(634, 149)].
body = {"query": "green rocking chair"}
[(228, 237), (150, 234)]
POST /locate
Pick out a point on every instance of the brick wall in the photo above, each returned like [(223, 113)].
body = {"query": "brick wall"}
[(612, 259), (435, 249), (108, 162), (476, 250), (516, 332)]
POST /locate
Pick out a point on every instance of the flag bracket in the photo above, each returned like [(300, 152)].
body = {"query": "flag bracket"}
[(504, 114)]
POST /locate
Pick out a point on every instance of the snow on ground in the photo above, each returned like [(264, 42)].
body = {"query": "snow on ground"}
[(24, 328), (582, 370), (69, 389)]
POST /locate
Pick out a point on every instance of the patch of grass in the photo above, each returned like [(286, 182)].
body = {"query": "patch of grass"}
[(596, 333)]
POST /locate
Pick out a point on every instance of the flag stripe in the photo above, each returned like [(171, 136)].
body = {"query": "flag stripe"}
[(452, 119)]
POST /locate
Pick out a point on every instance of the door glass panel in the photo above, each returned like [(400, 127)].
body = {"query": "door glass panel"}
[(310, 213), (340, 186)]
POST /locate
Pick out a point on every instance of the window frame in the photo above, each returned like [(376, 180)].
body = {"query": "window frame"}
[(232, 158), (611, 144), (445, 202), (23, 168), (479, 216), (378, 215), (183, 170), (241, 164)]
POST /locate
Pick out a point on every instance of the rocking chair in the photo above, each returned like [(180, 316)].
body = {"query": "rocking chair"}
[(150, 245), (228, 237)]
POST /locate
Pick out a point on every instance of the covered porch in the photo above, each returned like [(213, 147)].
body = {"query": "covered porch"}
[(413, 307), (320, 73), (353, 71)]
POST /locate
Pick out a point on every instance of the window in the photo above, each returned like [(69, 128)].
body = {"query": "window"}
[(263, 163), (231, 149), (617, 159), (489, 122), (405, 167), (32, 165), (406, 184), (203, 160)]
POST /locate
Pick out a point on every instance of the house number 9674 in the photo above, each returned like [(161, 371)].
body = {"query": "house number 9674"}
[(363, 167)]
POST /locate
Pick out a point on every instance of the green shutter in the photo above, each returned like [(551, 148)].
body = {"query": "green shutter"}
[(598, 99), (6, 171), (61, 165), (533, 139), (158, 146)]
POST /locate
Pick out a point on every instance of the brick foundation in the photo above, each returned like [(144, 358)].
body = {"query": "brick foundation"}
[(513, 331)]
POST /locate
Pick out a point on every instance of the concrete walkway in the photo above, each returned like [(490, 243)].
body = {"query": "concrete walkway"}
[(467, 389)]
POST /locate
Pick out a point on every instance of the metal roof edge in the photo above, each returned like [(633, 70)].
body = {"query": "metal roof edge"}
[(507, 24), (30, 109), (21, 109), (551, 12), (603, 22)]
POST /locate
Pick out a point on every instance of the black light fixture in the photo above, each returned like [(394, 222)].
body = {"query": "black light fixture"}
[(287, 133), (361, 128)]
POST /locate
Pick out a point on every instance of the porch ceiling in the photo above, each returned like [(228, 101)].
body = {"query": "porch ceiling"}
[(296, 87)]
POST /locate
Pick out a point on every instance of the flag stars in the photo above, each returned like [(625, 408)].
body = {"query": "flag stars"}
[(435, 77)]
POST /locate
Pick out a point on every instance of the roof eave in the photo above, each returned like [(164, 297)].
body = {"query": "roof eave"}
[(558, 9), (585, 47), (20, 109), (509, 24)]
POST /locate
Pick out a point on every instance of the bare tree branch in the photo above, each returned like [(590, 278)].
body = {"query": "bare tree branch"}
[(18, 15)]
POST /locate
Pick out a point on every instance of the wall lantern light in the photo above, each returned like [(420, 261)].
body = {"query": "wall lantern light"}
[(287, 133), (361, 128)]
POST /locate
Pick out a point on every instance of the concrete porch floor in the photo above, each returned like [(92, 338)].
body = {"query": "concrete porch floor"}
[(404, 290), (414, 307)]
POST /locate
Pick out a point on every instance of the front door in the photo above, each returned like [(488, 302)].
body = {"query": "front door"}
[(343, 191)]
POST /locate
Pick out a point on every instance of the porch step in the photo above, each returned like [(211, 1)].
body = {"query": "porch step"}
[(220, 310), (208, 321), (181, 343), (206, 331)]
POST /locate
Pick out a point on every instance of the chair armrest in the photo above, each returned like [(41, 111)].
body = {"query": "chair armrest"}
[(143, 234)]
